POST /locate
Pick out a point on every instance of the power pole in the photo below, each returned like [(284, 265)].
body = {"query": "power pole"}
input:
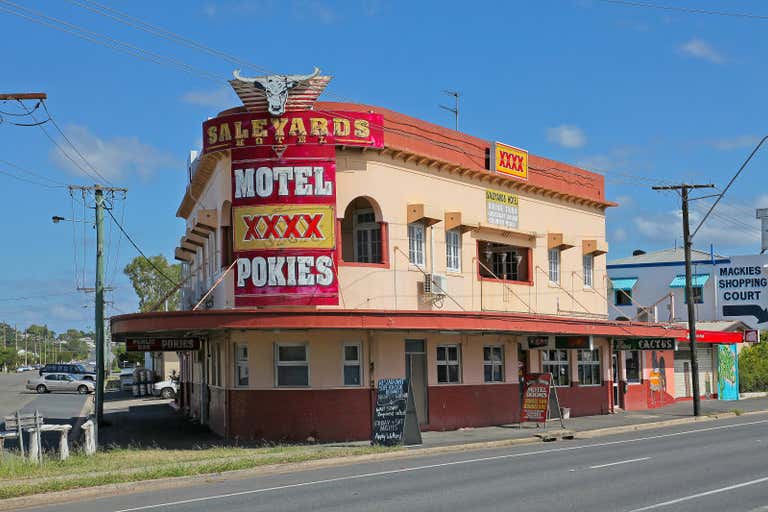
[(23, 96), (98, 192), (687, 243)]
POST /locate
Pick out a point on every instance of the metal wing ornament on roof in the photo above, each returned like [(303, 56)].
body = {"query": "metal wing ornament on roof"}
[(279, 93)]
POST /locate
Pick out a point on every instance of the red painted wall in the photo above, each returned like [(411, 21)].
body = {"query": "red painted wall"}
[(452, 407), (586, 400), (295, 415)]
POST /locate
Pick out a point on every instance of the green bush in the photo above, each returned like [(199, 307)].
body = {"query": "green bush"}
[(753, 368)]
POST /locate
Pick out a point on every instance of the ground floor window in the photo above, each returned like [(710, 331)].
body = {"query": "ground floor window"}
[(292, 363), (241, 364), (448, 364), (632, 366), (589, 367), (556, 363), (352, 369), (493, 364)]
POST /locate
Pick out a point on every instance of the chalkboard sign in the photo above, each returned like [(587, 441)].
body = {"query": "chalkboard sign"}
[(389, 415)]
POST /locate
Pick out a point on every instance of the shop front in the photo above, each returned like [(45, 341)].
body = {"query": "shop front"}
[(717, 357), (644, 373)]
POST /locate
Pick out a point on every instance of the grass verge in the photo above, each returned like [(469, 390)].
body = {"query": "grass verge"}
[(19, 477)]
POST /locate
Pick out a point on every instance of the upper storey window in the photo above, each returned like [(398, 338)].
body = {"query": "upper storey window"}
[(363, 236)]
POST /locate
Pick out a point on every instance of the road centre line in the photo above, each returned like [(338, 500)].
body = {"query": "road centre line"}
[(701, 494), (619, 462), (436, 466)]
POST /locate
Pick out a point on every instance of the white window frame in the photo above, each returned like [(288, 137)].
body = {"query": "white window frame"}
[(417, 244), (493, 364), (554, 265), (588, 262), (345, 362), (453, 250), (639, 367), (591, 364), (449, 362), (373, 230), (279, 363), (556, 364), (241, 363)]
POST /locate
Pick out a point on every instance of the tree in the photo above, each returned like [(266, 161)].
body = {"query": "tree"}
[(150, 286), (753, 367)]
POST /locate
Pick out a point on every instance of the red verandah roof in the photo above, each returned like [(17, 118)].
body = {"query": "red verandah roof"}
[(158, 322)]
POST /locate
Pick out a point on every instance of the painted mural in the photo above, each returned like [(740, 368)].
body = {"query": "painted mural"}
[(727, 372)]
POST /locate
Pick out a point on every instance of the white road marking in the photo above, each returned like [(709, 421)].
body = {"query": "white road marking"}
[(435, 466), (619, 462), (701, 495)]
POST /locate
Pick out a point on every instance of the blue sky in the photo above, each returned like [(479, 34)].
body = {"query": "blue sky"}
[(645, 96)]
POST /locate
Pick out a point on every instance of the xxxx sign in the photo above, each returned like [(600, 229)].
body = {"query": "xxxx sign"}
[(509, 160), (267, 227), (283, 218)]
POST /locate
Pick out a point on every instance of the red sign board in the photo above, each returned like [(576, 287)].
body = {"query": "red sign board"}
[(284, 225), (161, 344), (536, 397), (293, 128)]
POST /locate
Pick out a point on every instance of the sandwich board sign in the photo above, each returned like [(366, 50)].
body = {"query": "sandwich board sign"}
[(540, 402), (394, 418)]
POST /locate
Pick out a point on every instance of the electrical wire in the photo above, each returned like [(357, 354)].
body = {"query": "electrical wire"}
[(687, 10), (135, 246)]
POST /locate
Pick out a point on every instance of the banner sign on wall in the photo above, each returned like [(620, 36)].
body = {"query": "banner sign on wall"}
[(501, 209), (293, 128), (574, 342), (535, 397), (645, 344), (509, 160), (161, 344)]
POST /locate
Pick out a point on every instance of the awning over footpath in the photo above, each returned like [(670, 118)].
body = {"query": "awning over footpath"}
[(696, 280), (623, 283), (718, 331), (161, 323), (714, 337)]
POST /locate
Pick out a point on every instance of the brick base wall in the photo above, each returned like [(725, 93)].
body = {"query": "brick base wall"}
[(452, 407)]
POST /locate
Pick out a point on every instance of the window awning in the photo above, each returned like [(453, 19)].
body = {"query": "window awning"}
[(623, 283), (696, 280)]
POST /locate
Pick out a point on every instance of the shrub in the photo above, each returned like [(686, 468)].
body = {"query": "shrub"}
[(753, 368)]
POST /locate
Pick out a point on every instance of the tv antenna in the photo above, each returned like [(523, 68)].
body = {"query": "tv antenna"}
[(455, 109)]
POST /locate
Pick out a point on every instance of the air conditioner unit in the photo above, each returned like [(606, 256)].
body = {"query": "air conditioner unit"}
[(644, 314), (435, 284)]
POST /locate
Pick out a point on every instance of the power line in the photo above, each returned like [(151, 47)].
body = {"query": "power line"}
[(128, 237), (688, 10)]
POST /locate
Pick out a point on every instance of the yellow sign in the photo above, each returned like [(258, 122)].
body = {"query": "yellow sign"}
[(295, 226), (510, 160)]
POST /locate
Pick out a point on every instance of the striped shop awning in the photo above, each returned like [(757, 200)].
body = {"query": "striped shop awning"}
[(623, 283), (696, 280), (301, 97)]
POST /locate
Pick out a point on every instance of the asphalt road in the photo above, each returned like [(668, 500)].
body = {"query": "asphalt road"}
[(716, 466), (55, 407)]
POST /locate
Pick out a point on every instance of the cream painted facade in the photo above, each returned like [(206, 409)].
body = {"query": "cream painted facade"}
[(391, 184)]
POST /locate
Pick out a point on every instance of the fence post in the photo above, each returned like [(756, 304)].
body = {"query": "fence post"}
[(20, 433)]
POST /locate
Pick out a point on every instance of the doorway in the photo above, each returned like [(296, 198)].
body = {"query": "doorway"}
[(416, 373), (615, 367)]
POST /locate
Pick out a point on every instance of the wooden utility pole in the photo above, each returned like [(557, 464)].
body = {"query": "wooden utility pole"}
[(23, 96), (687, 243)]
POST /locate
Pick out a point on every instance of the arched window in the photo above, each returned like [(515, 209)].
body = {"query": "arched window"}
[(363, 234)]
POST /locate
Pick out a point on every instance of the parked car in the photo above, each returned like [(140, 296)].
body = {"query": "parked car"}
[(22, 369), (61, 382), (78, 371), (126, 378), (165, 389)]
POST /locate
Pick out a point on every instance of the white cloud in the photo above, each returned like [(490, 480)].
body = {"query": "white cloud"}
[(740, 142), (625, 201), (314, 10), (619, 235), (566, 135), (700, 49), (219, 98), (114, 158), (729, 226)]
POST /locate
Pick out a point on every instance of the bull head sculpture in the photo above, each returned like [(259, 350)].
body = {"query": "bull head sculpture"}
[(276, 87)]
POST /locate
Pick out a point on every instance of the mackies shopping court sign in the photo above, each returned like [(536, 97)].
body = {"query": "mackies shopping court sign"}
[(284, 191)]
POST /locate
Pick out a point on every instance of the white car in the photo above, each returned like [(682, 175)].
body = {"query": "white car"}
[(22, 369), (126, 378), (165, 389)]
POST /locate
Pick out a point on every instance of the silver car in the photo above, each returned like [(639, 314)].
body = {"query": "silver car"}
[(60, 382)]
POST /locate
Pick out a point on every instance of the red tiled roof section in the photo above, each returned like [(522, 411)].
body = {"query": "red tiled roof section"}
[(413, 135)]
